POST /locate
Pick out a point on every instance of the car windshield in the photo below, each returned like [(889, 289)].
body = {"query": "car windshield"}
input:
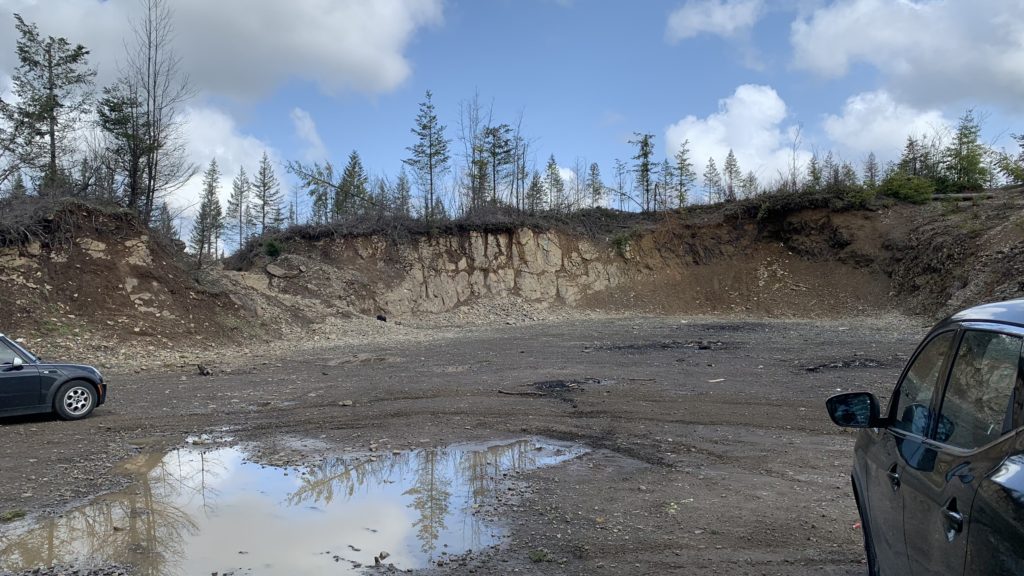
[(21, 349)]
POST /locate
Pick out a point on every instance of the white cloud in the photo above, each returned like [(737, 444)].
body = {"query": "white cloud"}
[(750, 123), (246, 48), (875, 122), (212, 133), (305, 129), (720, 17), (930, 53)]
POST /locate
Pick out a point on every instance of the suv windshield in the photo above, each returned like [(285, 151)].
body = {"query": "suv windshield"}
[(20, 349)]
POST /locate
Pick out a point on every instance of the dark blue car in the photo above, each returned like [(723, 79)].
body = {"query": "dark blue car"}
[(28, 385), (939, 475)]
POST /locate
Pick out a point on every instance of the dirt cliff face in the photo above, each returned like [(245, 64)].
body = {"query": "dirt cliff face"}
[(99, 278), (673, 266)]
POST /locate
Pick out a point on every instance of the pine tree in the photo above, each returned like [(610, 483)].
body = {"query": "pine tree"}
[(666, 186), (238, 202), (872, 172), (731, 174), (1012, 167), (53, 85), (814, 173), (912, 160), (165, 222), (121, 117), (429, 160), (535, 194), (685, 174), (595, 187), (554, 185), (713, 187), (266, 196), (402, 202), (319, 184), (207, 225), (497, 146), (964, 157), (354, 186), (749, 186), (644, 168), (18, 189)]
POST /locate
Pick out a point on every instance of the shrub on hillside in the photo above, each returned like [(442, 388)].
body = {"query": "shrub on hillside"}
[(908, 188)]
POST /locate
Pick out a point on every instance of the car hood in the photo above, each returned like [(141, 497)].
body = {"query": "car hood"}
[(71, 369)]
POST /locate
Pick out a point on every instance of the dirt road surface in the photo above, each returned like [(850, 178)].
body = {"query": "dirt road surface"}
[(711, 452)]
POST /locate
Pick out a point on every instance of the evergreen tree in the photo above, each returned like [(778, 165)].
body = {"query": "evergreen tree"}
[(644, 168), (53, 85), (402, 202), (238, 202), (964, 157), (266, 196), (749, 186), (1012, 166), (713, 187), (666, 186), (354, 186), (731, 174), (814, 176), (18, 189), (320, 186), (554, 185), (685, 174), (165, 222), (429, 156), (535, 194), (595, 187), (872, 172), (122, 118), (208, 223), (912, 160), (497, 144)]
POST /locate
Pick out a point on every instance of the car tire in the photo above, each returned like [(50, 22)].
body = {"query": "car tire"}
[(75, 400)]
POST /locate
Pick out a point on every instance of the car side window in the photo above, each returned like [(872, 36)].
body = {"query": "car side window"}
[(6, 354), (913, 400), (977, 406)]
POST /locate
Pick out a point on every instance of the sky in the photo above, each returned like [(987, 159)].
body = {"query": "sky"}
[(313, 80)]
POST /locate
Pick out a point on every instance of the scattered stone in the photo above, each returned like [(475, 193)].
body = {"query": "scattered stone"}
[(203, 370), (346, 403), (382, 318)]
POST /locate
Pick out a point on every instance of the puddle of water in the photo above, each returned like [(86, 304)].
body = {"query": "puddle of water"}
[(198, 511)]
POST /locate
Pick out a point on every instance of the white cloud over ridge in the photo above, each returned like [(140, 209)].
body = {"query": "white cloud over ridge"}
[(244, 48), (750, 123), (305, 129), (724, 18), (212, 133), (929, 53), (875, 122)]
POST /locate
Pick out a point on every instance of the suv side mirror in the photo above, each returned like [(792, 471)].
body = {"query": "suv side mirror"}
[(854, 410)]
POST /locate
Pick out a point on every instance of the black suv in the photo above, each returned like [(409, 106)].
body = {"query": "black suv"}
[(28, 385), (939, 476)]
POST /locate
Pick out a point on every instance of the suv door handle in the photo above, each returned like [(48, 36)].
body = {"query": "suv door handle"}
[(955, 519), (894, 477)]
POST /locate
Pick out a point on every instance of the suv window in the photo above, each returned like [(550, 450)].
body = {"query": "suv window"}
[(913, 401), (977, 402)]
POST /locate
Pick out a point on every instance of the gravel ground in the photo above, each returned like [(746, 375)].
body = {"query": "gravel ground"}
[(710, 448)]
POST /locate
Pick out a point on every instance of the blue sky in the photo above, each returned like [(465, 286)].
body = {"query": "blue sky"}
[(315, 79)]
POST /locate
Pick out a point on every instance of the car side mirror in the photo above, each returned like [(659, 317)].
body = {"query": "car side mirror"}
[(854, 410), (17, 363)]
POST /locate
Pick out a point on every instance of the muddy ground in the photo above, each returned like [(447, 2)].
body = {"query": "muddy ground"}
[(711, 450)]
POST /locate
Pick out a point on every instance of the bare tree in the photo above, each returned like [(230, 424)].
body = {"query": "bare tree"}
[(156, 72)]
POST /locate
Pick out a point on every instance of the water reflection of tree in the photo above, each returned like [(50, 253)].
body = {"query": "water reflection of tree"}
[(145, 525), (430, 498)]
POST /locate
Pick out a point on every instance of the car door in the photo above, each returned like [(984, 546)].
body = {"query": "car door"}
[(890, 449), (19, 386), (970, 439)]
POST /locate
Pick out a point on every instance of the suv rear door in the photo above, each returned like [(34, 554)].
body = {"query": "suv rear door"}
[(970, 438)]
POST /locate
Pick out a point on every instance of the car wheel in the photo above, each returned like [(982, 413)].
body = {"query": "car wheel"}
[(869, 543), (75, 400)]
